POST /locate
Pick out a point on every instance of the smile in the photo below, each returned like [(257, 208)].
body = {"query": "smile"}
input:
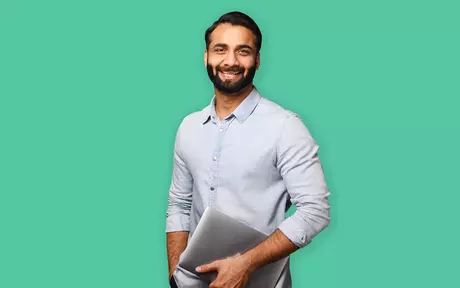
[(230, 74)]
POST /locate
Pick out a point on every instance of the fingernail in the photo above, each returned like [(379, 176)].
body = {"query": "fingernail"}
[(198, 269)]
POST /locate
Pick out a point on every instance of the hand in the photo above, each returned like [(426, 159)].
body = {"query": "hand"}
[(232, 272)]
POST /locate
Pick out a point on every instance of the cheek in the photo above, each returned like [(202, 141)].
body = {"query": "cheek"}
[(246, 70), (214, 65), (215, 60), (214, 68), (247, 64)]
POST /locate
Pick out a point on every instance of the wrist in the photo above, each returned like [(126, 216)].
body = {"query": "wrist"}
[(249, 262)]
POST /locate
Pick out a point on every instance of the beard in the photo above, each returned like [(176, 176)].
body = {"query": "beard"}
[(229, 86)]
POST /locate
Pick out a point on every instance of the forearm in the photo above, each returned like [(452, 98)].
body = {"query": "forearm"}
[(176, 244), (275, 247)]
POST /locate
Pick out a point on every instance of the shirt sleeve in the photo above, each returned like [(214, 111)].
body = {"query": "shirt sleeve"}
[(180, 191), (300, 167)]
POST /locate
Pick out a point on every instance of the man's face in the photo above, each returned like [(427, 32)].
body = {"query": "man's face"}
[(231, 58)]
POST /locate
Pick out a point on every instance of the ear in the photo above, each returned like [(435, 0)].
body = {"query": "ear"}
[(205, 58)]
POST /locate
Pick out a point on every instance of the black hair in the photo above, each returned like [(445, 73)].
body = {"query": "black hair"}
[(240, 19)]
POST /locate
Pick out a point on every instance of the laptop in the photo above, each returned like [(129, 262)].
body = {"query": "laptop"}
[(218, 236)]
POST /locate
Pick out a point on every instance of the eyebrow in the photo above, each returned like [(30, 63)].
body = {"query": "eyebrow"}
[(245, 46), (220, 45), (238, 46)]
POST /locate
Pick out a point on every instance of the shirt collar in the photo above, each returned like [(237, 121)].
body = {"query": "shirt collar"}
[(241, 113)]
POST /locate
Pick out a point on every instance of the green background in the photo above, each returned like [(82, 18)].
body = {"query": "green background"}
[(92, 92)]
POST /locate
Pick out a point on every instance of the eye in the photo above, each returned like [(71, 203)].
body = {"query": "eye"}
[(218, 50), (244, 51)]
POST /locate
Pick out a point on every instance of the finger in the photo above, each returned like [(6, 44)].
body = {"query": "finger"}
[(213, 284), (208, 267)]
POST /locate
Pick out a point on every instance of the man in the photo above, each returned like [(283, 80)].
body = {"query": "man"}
[(249, 158)]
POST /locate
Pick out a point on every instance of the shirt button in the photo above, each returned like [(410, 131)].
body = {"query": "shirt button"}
[(214, 158), (212, 188), (221, 129)]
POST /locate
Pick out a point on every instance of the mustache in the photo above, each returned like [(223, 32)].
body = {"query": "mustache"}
[(231, 69)]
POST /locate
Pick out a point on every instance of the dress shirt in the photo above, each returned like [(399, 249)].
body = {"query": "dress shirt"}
[(252, 166)]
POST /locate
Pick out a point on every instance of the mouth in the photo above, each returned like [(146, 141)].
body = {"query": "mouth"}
[(230, 74)]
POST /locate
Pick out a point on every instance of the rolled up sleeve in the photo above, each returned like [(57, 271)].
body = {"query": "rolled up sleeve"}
[(300, 167), (180, 192)]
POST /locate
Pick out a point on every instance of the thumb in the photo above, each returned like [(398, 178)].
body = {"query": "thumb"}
[(208, 267)]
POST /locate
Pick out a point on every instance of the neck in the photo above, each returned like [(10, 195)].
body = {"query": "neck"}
[(227, 103)]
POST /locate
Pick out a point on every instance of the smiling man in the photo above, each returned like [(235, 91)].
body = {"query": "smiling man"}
[(247, 157)]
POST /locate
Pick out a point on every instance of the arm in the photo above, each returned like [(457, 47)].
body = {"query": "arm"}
[(235, 271), (179, 204), (299, 165), (274, 248), (176, 244)]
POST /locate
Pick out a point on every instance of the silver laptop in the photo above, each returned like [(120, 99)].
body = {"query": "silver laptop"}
[(219, 236)]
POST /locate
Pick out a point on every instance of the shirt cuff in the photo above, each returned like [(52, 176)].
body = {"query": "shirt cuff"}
[(296, 230), (177, 222)]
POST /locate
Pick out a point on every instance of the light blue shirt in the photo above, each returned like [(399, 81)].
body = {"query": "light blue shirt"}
[(251, 165)]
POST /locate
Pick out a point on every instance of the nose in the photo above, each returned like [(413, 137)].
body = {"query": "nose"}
[(230, 59)]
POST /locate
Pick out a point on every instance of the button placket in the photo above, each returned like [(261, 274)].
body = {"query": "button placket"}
[(215, 162)]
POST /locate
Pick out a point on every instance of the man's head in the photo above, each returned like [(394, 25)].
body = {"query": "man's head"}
[(232, 54)]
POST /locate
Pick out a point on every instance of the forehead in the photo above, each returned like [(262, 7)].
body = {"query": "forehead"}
[(232, 35)]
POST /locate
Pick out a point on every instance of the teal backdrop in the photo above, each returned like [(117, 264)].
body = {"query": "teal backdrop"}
[(92, 92)]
